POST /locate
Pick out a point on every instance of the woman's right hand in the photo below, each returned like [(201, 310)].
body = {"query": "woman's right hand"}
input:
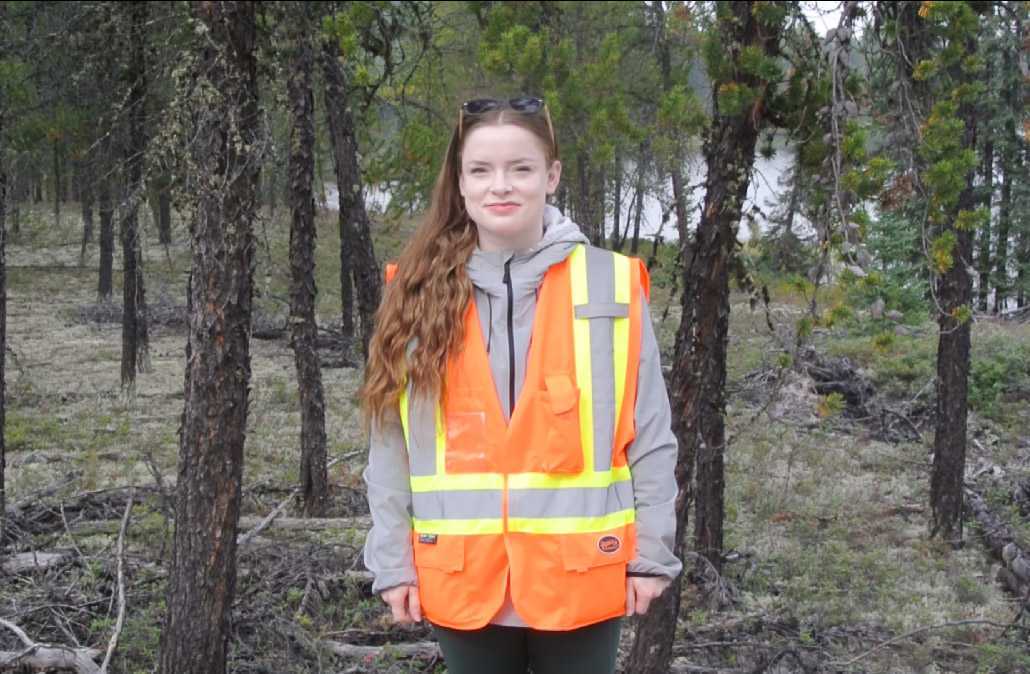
[(404, 603)]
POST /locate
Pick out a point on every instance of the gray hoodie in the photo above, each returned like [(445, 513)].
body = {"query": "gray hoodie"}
[(651, 455)]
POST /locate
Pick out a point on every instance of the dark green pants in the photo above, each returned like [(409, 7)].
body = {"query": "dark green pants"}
[(515, 650)]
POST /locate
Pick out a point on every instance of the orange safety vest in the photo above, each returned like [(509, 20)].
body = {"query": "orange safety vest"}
[(545, 502)]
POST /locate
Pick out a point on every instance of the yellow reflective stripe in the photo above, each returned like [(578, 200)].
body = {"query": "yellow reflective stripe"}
[(581, 340), (461, 482), (441, 442), (458, 527), (558, 481), (620, 335), (570, 525), (404, 416)]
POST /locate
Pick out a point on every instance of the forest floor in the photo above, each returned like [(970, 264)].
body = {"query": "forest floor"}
[(828, 555)]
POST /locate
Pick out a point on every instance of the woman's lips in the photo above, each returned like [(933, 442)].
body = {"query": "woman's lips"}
[(501, 208)]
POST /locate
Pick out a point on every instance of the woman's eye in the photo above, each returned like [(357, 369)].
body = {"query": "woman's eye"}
[(523, 169)]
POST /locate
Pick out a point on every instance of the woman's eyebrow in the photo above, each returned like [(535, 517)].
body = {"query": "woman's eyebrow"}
[(520, 160)]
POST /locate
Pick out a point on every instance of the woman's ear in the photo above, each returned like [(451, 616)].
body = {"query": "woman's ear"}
[(553, 177)]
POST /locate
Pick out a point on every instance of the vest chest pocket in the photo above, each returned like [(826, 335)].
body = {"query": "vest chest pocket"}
[(554, 442), (466, 428)]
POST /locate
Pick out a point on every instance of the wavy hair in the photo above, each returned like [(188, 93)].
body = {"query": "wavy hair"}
[(421, 320)]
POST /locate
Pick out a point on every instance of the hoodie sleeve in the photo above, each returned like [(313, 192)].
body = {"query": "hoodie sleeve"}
[(652, 460), (388, 551)]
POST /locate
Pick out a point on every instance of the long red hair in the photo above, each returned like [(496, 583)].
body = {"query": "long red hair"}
[(424, 306)]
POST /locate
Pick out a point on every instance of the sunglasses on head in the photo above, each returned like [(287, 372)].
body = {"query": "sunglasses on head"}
[(524, 105), (527, 105)]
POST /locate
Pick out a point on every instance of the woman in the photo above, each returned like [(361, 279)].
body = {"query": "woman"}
[(520, 472)]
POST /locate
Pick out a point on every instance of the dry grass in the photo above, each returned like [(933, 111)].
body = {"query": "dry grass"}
[(831, 525)]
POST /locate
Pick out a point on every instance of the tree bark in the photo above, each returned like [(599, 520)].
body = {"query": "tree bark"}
[(202, 578), (304, 329), (86, 203), (57, 182), (676, 168), (697, 386), (983, 257), (3, 318), (163, 187), (106, 208), (1002, 285), (954, 290), (616, 242), (134, 321), (356, 250)]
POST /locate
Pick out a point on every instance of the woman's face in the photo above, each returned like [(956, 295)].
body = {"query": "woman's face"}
[(505, 181)]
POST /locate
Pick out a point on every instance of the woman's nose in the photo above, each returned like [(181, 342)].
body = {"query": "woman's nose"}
[(501, 184)]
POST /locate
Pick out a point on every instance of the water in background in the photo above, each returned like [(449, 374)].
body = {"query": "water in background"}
[(763, 193)]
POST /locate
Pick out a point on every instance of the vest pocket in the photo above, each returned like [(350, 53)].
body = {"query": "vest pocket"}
[(439, 552), (556, 446), (467, 443), (584, 552)]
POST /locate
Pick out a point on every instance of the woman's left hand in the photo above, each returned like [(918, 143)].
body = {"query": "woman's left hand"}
[(641, 590)]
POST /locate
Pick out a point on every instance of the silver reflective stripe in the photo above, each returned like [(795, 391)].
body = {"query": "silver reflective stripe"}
[(421, 436), (603, 310), (570, 501), (601, 280), (457, 505)]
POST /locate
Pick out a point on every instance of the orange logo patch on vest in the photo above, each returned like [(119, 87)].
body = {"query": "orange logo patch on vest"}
[(609, 544)]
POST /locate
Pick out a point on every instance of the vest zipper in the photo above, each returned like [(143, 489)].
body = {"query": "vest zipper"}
[(511, 341), (511, 380)]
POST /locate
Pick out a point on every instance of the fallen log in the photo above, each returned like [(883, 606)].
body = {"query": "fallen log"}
[(46, 659), (1015, 570), (28, 562)]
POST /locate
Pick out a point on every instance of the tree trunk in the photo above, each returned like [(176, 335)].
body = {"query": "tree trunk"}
[(202, 578), (3, 318), (676, 169), (356, 249), (106, 208), (954, 290), (304, 329), (983, 257), (134, 306), (639, 212), (57, 182), (697, 386), (1002, 284), (1012, 168), (86, 202), (617, 202), (163, 188)]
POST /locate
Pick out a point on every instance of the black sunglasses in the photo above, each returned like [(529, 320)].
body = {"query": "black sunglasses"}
[(527, 105), (524, 105)]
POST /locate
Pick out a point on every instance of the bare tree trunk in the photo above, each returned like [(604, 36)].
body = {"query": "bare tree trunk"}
[(304, 329), (616, 243), (983, 257), (163, 188), (86, 203), (202, 578), (676, 169), (356, 250), (134, 306), (697, 387), (3, 314), (57, 182), (1002, 284), (106, 240), (954, 290), (639, 210)]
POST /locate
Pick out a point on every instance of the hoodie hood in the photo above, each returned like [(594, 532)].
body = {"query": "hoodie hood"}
[(486, 270)]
